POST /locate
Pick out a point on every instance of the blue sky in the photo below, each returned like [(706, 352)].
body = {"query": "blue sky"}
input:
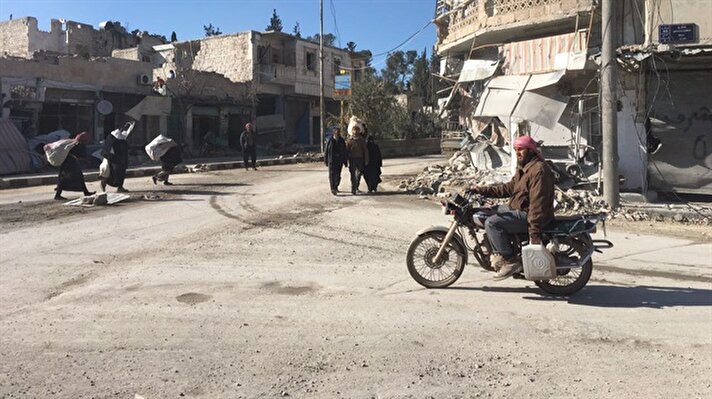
[(378, 25)]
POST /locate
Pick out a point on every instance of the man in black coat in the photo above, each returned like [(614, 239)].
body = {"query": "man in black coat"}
[(248, 142), (335, 157)]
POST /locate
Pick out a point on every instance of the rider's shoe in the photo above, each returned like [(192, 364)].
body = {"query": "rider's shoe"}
[(496, 261), (508, 268)]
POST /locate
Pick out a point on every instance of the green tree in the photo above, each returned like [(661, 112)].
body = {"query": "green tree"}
[(211, 30), (275, 23), (399, 68), (174, 37), (371, 103), (297, 30), (420, 80), (329, 39)]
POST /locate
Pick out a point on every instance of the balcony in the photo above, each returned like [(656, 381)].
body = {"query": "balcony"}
[(277, 74), (496, 21)]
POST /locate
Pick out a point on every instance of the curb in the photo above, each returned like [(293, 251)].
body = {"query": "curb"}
[(42, 180)]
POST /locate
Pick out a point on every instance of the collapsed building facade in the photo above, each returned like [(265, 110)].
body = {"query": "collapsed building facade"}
[(77, 78), (532, 67), (57, 79)]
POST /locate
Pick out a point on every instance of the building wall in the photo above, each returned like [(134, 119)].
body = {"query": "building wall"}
[(483, 17), (107, 74), (22, 38), (698, 12), (681, 119), (307, 81), (230, 55), (14, 37)]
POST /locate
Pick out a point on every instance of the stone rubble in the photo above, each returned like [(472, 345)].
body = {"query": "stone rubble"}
[(439, 180)]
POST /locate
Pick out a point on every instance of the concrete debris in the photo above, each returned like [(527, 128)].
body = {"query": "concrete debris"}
[(98, 199), (199, 168), (460, 172)]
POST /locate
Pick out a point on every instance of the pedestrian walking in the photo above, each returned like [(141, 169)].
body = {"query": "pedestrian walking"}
[(372, 172), (169, 161), (116, 151), (358, 157), (248, 142), (71, 177), (335, 157)]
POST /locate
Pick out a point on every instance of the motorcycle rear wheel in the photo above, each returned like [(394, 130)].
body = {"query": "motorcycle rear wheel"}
[(428, 273), (569, 281)]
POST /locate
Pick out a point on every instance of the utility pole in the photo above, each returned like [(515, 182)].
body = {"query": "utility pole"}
[(321, 74), (609, 105)]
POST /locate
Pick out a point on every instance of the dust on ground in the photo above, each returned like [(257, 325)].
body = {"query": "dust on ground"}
[(693, 232)]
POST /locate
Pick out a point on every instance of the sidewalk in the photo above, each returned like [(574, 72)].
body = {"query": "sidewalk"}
[(189, 166)]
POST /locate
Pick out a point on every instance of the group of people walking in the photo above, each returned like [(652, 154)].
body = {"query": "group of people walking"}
[(360, 153)]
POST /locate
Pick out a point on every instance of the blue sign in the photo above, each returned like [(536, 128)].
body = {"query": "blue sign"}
[(342, 82), (679, 33)]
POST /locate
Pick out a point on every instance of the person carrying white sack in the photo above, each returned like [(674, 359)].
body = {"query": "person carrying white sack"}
[(166, 151), (115, 151)]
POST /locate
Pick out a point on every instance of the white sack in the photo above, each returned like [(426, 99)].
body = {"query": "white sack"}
[(104, 170), (354, 121), (159, 146), (57, 151)]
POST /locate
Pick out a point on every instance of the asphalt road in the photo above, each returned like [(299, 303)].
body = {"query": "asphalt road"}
[(261, 284)]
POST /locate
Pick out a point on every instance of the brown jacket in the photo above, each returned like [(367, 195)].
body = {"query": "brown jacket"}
[(532, 191), (357, 148)]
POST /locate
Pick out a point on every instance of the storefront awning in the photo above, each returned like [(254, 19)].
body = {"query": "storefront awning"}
[(477, 70), (514, 96), (151, 105)]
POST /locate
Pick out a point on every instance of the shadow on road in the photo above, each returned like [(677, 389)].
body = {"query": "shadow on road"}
[(610, 296), (211, 184)]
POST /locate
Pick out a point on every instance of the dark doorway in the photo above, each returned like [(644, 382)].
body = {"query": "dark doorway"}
[(109, 123), (316, 131)]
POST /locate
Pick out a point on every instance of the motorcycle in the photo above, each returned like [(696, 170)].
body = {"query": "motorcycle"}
[(438, 255)]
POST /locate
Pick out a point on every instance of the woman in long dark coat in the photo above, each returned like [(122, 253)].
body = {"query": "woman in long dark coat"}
[(116, 151), (372, 172), (169, 161), (71, 177)]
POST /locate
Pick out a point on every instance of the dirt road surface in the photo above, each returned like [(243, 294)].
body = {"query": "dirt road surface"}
[(261, 284)]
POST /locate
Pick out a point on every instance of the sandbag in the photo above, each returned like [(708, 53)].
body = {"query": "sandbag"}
[(104, 170), (159, 146), (57, 151)]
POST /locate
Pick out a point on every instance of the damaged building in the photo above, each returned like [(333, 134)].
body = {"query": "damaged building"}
[(518, 67), (280, 73), (75, 77), (66, 79)]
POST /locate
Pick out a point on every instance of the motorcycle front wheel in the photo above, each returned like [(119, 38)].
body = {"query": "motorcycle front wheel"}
[(569, 281), (432, 274)]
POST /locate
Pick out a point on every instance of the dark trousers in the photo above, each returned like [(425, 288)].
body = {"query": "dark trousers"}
[(249, 152), (164, 174), (501, 226), (356, 166), (335, 176)]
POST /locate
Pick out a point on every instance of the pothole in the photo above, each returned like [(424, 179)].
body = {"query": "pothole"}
[(191, 298)]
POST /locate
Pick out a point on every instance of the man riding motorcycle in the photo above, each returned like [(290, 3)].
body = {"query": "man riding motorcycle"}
[(530, 208)]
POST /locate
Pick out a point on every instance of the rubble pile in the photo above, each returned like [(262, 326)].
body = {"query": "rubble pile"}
[(459, 173), (578, 201), (456, 175)]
